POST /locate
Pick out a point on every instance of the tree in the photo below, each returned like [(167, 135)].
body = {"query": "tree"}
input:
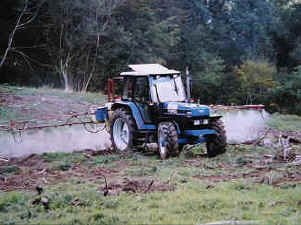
[(256, 78), (208, 81), (79, 32), (25, 17), (287, 38), (287, 95)]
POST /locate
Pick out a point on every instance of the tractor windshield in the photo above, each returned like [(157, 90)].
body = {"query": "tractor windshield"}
[(169, 88)]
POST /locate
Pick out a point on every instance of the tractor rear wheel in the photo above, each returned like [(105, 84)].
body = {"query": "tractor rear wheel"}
[(122, 130), (167, 140), (216, 144)]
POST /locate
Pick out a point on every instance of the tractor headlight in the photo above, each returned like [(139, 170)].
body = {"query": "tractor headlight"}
[(200, 122), (196, 122)]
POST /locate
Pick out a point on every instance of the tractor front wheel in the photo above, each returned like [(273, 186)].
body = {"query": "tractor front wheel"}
[(216, 144), (122, 130), (167, 140)]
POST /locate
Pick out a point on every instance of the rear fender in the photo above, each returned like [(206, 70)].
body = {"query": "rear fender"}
[(131, 107)]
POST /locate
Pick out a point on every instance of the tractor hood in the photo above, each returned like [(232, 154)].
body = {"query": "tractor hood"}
[(188, 109)]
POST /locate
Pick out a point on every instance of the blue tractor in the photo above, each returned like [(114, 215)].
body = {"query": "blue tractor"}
[(153, 112)]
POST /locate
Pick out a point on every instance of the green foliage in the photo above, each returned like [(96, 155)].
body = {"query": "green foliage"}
[(208, 79), (90, 41), (288, 93), (256, 78)]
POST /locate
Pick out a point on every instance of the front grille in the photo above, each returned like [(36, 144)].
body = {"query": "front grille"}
[(187, 124)]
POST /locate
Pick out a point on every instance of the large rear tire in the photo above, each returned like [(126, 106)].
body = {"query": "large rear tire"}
[(122, 130), (216, 144), (167, 140)]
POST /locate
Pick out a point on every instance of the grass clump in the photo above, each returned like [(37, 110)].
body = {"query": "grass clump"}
[(104, 159), (7, 114), (63, 161), (9, 170), (75, 157)]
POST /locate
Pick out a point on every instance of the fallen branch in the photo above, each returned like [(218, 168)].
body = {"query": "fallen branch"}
[(45, 180), (149, 186), (42, 171), (87, 155), (257, 140), (3, 159)]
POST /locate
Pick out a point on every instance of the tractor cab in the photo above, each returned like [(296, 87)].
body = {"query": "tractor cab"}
[(167, 88), (153, 110), (151, 82)]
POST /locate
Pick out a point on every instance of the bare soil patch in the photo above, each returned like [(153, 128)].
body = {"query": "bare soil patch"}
[(137, 186)]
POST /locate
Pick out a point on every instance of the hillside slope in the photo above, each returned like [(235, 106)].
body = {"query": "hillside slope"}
[(51, 107)]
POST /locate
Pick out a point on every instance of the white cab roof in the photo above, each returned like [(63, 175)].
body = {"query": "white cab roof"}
[(148, 69)]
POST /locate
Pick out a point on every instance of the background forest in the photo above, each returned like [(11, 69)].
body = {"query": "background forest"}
[(237, 51)]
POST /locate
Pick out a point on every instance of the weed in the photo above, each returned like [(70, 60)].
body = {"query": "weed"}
[(64, 166), (192, 152), (12, 200)]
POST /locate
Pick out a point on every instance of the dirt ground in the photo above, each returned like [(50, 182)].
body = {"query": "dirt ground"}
[(41, 107), (32, 171), (29, 172)]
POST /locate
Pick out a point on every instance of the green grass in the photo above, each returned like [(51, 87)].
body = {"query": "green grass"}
[(64, 161), (75, 157), (285, 122), (191, 203)]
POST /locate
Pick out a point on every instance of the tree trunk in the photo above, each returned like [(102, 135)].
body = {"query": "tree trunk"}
[(66, 83), (11, 36)]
